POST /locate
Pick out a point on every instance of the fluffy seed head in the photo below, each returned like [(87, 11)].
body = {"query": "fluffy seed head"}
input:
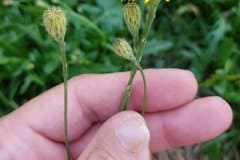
[(123, 49), (132, 16), (55, 22)]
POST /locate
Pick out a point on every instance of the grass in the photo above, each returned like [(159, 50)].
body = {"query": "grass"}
[(202, 36)]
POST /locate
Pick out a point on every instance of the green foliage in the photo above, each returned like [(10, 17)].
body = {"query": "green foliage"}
[(202, 36)]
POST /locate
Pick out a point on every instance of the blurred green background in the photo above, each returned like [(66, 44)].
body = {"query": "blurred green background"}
[(202, 36)]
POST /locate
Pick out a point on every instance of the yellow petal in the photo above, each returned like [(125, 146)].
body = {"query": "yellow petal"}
[(146, 1)]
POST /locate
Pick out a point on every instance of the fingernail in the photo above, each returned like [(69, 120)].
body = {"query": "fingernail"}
[(133, 134)]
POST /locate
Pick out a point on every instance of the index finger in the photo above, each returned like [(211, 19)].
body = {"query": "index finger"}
[(94, 98)]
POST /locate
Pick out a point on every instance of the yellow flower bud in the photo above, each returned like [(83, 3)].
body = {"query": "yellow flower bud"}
[(132, 17), (55, 22), (123, 49)]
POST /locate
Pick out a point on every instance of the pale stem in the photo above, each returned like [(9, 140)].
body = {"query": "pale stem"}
[(65, 79)]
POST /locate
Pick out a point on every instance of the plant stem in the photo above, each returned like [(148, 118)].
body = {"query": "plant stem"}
[(65, 79), (127, 92), (144, 85), (150, 19), (135, 44), (145, 90), (138, 49)]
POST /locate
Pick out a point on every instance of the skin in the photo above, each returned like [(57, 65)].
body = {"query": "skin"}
[(173, 115)]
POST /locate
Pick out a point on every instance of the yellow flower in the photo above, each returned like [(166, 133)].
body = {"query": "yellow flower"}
[(147, 1), (55, 22)]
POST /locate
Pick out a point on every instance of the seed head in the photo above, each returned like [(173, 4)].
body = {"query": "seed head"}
[(55, 22), (132, 17), (123, 49)]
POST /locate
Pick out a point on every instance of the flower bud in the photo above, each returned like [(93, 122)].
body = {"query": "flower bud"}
[(55, 22), (132, 17), (123, 49)]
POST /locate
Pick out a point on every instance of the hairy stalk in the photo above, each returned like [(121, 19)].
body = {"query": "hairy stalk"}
[(145, 87), (65, 79), (145, 91), (138, 49), (128, 90)]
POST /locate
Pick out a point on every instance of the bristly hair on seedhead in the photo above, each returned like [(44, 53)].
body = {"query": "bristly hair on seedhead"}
[(123, 49), (55, 22)]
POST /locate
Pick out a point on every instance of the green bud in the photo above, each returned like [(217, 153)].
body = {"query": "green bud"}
[(132, 16), (123, 49)]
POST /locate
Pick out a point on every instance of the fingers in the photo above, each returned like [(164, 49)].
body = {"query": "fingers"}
[(167, 89), (198, 121), (94, 98), (124, 136)]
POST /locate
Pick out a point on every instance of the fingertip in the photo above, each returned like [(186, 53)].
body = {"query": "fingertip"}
[(222, 110), (198, 121), (218, 117), (132, 134), (125, 135), (167, 89), (191, 81)]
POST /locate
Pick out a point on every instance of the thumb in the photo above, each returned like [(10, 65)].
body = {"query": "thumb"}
[(124, 136)]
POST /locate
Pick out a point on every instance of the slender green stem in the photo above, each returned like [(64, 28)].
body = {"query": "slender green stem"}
[(145, 87), (145, 92), (127, 92), (138, 49), (135, 44), (150, 19), (129, 88), (65, 79)]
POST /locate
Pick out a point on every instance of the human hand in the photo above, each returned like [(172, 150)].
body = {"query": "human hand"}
[(97, 131)]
